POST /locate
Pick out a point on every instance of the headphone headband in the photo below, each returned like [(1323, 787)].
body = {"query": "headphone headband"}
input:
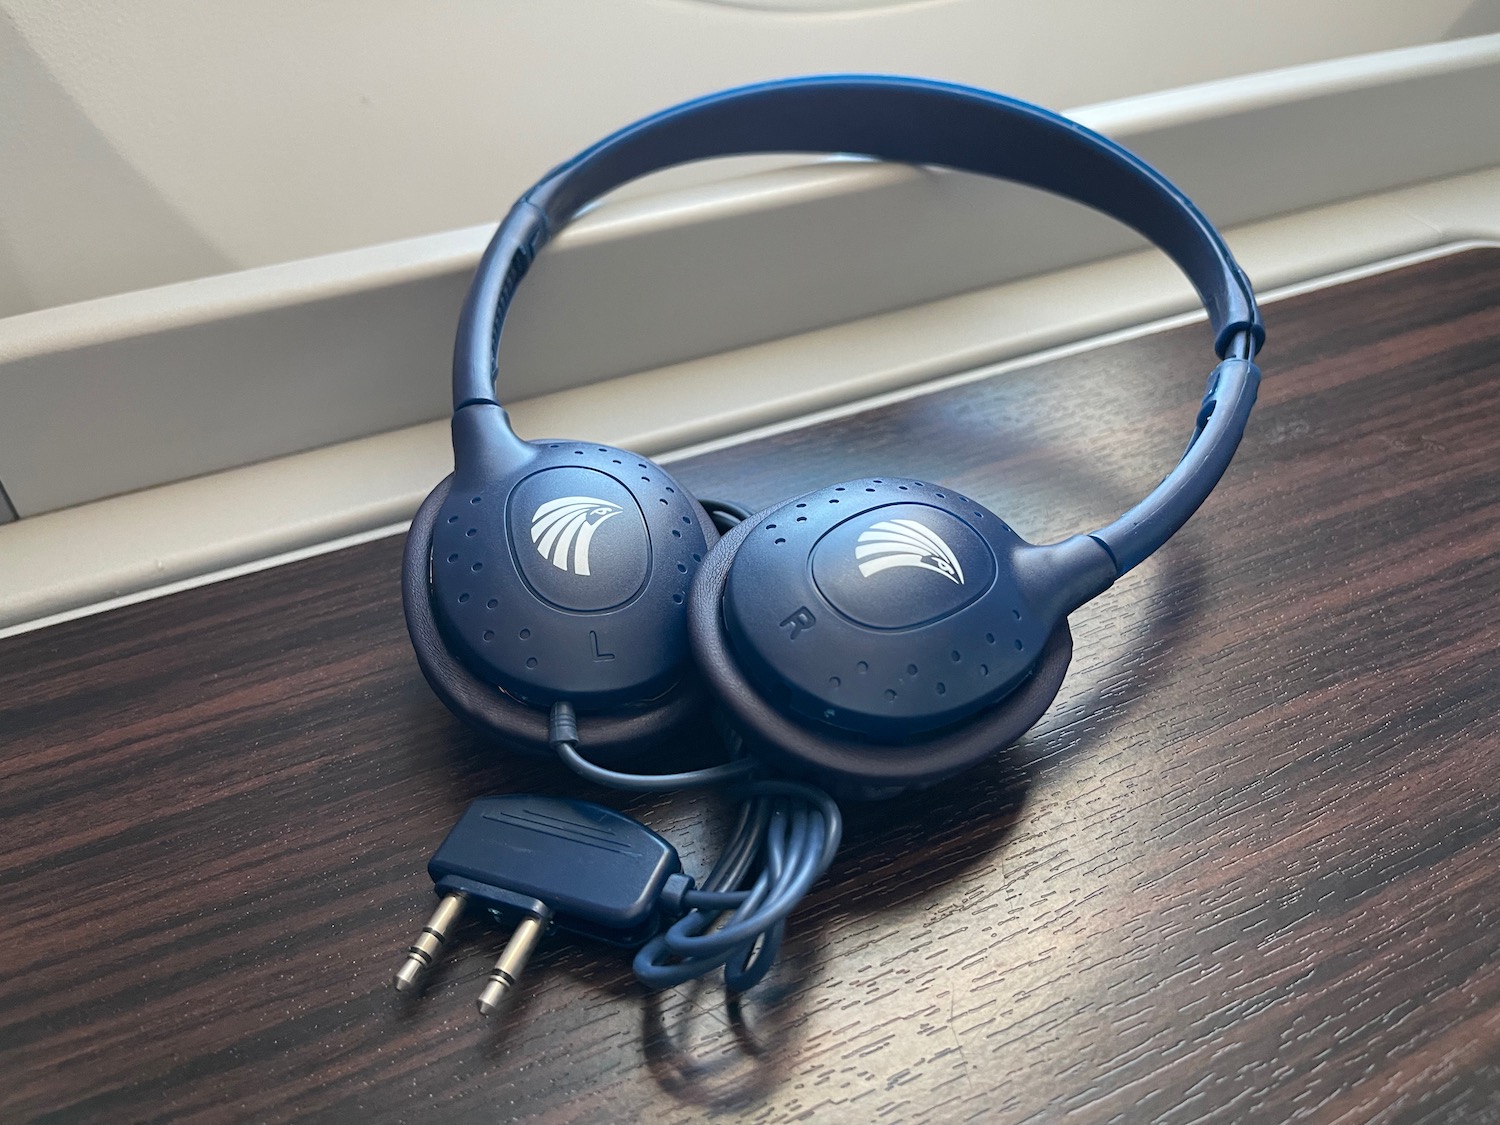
[(908, 120), (913, 121)]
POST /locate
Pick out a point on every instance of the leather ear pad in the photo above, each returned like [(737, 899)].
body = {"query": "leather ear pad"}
[(847, 765), (608, 738)]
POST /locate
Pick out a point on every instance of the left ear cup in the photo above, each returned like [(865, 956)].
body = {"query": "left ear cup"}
[(771, 711), (613, 735), (560, 571)]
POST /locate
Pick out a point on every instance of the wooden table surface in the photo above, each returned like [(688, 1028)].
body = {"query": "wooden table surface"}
[(1247, 869)]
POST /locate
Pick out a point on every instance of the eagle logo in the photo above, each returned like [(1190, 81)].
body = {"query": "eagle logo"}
[(906, 543), (562, 529)]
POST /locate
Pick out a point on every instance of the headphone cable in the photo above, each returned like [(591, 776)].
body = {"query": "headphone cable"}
[(785, 835)]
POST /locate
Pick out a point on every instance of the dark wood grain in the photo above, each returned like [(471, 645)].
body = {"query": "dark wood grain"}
[(1246, 869)]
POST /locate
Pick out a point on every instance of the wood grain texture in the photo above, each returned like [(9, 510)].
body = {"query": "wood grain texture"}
[(1245, 870)]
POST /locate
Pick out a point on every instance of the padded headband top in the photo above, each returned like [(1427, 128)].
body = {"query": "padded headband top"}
[(915, 121)]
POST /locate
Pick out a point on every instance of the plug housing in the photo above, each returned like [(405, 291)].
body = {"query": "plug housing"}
[(539, 861), (598, 872)]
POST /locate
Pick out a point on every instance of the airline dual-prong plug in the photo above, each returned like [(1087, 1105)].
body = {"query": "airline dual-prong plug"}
[(534, 862)]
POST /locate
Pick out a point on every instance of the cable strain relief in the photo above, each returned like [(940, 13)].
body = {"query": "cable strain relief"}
[(673, 892), (562, 725)]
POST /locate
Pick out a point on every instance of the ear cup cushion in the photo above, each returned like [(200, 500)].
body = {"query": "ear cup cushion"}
[(851, 766), (608, 738)]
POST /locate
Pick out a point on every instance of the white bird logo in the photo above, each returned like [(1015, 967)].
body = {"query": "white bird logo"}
[(567, 525), (906, 543)]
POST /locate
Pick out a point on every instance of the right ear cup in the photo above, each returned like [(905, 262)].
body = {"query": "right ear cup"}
[(880, 636)]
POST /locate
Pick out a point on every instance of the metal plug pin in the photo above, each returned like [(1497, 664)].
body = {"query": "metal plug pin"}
[(424, 950), (512, 963)]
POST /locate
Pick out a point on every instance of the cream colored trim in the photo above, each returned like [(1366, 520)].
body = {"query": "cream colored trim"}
[(1285, 86), (254, 566), (166, 384), (97, 556), (1179, 320), (161, 537), (198, 138)]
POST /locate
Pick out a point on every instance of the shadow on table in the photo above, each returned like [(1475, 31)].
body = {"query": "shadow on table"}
[(723, 1053)]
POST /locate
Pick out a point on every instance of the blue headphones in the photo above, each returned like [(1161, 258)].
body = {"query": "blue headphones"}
[(874, 636)]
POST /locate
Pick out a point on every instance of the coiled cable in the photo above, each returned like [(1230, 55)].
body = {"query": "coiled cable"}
[(785, 835)]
